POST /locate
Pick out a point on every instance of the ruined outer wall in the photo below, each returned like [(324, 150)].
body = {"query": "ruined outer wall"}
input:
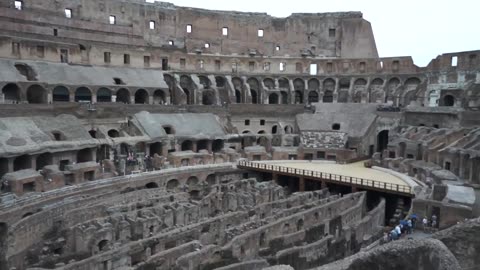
[(326, 34)]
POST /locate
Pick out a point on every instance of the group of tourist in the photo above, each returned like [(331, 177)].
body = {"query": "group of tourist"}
[(407, 226)]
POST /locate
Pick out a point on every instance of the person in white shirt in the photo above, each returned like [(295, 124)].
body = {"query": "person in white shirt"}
[(425, 224)]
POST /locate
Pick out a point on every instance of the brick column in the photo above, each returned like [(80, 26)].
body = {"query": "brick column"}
[(301, 184)]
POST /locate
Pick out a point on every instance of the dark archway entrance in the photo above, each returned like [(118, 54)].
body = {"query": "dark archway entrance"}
[(83, 94), (382, 140), (44, 160), (123, 96), (156, 148), (187, 145), (60, 94), (141, 97), (22, 163), (11, 93), (448, 100), (104, 95), (36, 95)]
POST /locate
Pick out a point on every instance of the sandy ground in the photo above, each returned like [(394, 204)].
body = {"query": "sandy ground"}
[(351, 170)]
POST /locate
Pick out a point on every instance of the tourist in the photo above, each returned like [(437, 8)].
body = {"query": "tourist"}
[(398, 230), (425, 224), (409, 226), (393, 235)]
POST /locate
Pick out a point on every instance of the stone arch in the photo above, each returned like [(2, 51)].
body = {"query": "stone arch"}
[(254, 95), (22, 163), (156, 148), (238, 86), (11, 93), (288, 129), (60, 94), (187, 145), (328, 96), (376, 93), (262, 141), (254, 89), (284, 83), (83, 94), (220, 81), (312, 97), (192, 181), (104, 95), (409, 97), (208, 97), (211, 179), (269, 83), (448, 100), (273, 98), (44, 160), (274, 129), (299, 84), (36, 94), (84, 155), (151, 185), (187, 86), (159, 97), (172, 184), (392, 85), (202, 145), (217, 145), (412, 83), (103, 245), (123, 96), (205, 81), (313, 84), (382, 140), (298, 97), (300, 224), (329, 84), (141, 96), (113, 133)]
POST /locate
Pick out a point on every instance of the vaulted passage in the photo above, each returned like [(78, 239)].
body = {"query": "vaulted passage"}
[(104, 95), (123, 96), (83, 94), (60, 94), (11, 93), (22, 162), (141, 97), (36, 95)]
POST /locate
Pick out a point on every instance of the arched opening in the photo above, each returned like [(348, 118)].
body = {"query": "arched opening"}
[(262, 141), (336, 126), (238, 96), (22, 163), (313, 84), (11, 93), (328, 97), (192, 181), (202, 145), (60, 94), (159, 97), (269, 83), (205, 82), (172, 184), (312, 97), (188, 89), (84, 155), (156, 148), (169, 130), (141, 96), (448, 100), (220, 81), (217, 145), (274, 129), (288, 129), (211, 179), (283, 83), (382, 140), (36, 95), (208, 97), (124, 149), (254, 96), (113, 133), (300, 225), (123, 96), (104, 95), (103, 245), (298, 97), (43, 160), (83, 94), (151, 185), (187, 146), (273, 98), (286, 228)]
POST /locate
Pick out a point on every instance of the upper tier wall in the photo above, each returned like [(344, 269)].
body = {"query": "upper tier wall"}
[(343, 34)]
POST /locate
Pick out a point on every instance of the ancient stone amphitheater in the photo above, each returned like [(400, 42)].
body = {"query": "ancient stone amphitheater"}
[(147, 136)]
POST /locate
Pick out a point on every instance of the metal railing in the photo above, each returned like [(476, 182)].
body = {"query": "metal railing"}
[(361, 182)]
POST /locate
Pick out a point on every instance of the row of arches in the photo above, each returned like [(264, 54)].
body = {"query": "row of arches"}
[(36, 94)]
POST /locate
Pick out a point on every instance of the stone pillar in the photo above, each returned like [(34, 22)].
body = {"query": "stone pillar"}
[(72, 97), (49, 98), (114, 98), (150, 100), (194, 146), (2, 98), (132, 99), (301, 184), (165, 149), (10, 164), (94, 98)]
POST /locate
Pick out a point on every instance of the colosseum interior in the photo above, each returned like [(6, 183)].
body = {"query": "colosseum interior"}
[(148, 136)]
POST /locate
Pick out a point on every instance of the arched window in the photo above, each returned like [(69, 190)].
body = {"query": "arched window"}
[(336, 126)]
